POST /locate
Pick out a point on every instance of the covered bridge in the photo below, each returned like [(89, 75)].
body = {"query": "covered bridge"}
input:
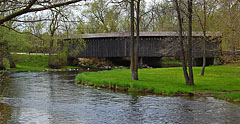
[(153, 46)]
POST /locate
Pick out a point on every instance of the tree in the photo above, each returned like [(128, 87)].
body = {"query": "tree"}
[(188, 77), (132, 47), (9, 56), (37, 30), (53, 26), (204, 29), (100, 17), (204, 12), (135, 43), (162, 16), (181, 39), (59, 21), (11, 10), (2, 67), (6, 37), (190, 69), (229, 25), (138, 18)]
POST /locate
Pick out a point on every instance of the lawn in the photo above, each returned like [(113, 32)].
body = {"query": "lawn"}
[(167, 81)]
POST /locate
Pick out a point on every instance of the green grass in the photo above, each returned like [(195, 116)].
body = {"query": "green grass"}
[(20, 68), (169, 80), (234, 96), (32, 63)]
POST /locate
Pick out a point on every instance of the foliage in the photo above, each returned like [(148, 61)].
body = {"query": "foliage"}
[(227, 22), (74, 47), (6, 63), (66, 49), (102, 17), (59, 60)]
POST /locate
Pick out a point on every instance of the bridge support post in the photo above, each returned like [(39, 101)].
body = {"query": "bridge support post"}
[(140, 62), (72, 62), (155, 62), (199, 61)]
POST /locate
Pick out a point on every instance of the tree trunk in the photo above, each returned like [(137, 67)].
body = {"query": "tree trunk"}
[(233, 45), (9, 56), (133, 62), (204, 57), (180, 24), (191, 80), (136, 48), (2, 67), (11, 61), (50, 52), (205, 38)]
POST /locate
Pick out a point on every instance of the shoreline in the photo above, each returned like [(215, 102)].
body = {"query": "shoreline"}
[(114, 88), (222, 92)]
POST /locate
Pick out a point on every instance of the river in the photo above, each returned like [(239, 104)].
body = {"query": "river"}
[(54, 98)]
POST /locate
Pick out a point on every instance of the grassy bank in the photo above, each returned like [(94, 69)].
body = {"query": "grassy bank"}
[(32, 63), (219, 81)]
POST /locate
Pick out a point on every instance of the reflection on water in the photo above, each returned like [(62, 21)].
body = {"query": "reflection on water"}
[(54, 98)]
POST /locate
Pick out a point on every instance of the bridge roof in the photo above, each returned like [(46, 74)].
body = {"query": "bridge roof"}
[(127, 34)]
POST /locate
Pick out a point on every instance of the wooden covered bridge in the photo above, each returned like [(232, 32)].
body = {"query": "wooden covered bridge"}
[(153, 46)]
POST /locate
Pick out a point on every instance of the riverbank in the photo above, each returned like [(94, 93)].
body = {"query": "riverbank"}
[(34, 63), (219, 81), (53, 97)]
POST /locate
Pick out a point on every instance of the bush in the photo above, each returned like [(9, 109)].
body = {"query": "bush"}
[(58, 61)]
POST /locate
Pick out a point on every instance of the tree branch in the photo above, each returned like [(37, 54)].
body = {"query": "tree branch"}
[(20, 12), (29, 9), (22, 32), (53, 6)]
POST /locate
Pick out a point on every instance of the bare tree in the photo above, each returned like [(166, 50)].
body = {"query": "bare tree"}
[(132, 40), (181, 39), (203, 24), (188, 77), (58, 22), (136, 47), (190, 69), (54, 25), (16, 8)]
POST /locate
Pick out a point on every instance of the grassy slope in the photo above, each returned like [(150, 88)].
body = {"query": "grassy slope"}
[(32, 63), (171, 81)]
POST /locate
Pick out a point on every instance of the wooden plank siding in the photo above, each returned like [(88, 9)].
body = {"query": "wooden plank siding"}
[(150, 46)]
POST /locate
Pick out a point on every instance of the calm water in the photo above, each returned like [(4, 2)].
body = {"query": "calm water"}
[(54, 98)]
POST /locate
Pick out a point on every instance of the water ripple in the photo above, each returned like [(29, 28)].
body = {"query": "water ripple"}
[(54, 98)]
